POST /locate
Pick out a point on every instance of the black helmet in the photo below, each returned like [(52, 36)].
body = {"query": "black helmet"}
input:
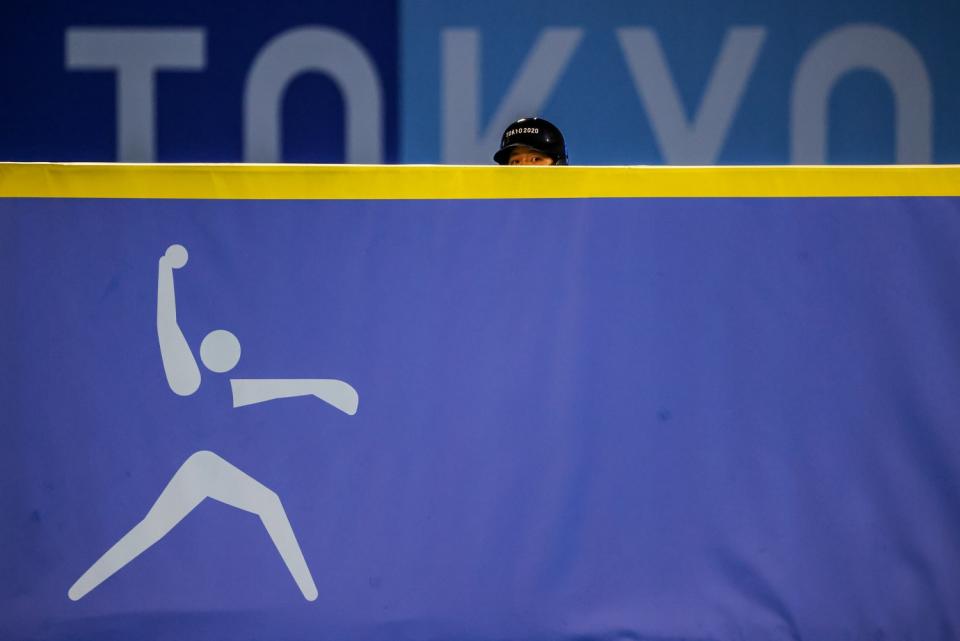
[(535, 133)]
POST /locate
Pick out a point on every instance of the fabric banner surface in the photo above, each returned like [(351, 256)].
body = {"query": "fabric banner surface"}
[(381, 418)]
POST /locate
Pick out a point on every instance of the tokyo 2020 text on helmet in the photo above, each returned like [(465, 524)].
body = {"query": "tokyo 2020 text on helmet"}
[(537, 134)]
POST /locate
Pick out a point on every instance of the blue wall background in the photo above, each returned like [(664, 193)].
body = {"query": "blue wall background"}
[(50, 112), (608, 419)]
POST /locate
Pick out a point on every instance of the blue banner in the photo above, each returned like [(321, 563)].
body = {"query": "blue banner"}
[(428, 81), (625, 418)]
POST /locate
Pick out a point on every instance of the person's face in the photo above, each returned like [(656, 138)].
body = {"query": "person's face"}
[(528, 156)]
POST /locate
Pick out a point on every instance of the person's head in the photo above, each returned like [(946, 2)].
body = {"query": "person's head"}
[(220, 351), (532, 141)]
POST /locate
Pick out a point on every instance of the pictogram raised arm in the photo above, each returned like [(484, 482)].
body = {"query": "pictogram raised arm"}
[(179, 365)]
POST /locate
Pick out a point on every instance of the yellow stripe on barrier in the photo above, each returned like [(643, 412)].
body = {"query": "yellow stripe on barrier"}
[(367, 182)]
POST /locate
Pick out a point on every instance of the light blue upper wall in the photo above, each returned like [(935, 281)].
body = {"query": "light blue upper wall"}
[(882, 54)]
